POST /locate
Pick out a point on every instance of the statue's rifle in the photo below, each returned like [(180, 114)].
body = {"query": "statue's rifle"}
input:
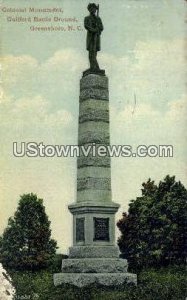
[(98, 10), (95, 36)]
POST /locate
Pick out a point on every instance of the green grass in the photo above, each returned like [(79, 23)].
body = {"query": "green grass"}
[(161, 284)]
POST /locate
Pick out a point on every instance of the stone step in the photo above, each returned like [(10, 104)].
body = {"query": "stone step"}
[(85, 279), (94, 265), (94, 252)]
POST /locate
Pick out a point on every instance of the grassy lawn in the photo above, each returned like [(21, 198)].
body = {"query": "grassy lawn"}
[(163, 284)]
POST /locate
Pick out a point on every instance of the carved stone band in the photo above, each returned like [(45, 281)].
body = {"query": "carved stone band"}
[(94, 93), (98, 172), (93, 80), (91, 137), (93, 183), (93, 104), (94, 115), (93, 161)]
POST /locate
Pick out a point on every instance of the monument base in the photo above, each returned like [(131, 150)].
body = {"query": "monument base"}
[(94, 265), (94, 256), (94, 252), (85, 279), (103, 271)]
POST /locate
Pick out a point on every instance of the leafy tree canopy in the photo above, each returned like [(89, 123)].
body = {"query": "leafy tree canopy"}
[(153, 232), (26, 242)]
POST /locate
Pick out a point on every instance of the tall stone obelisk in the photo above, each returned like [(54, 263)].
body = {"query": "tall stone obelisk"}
[(94, 256)]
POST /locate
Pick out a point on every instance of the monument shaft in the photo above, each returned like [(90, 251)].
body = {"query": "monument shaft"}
[(94, 211), (93, 174), (94, 257)]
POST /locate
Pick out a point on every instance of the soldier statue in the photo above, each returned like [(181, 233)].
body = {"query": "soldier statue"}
[(94, 27)]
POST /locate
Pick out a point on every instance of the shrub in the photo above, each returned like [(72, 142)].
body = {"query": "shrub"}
[(26, 242), (154, 229)]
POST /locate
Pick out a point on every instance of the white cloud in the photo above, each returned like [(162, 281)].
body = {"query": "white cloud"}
[(155, 71), (59, 118), (19, 74), (142, 123), (30, 112), (24, 75)]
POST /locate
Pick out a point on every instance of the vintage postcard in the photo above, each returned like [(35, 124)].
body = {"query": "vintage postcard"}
[(93, 177)]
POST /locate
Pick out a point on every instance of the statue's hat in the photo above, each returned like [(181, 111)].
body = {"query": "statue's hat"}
[(92, 5)]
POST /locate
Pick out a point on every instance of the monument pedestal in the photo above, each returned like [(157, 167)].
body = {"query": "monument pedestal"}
[(94, 257), (97, 72)]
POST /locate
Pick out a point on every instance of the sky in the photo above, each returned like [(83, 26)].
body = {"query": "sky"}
[(143, 53)]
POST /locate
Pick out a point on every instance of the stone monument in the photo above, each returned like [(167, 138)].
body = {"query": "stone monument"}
[(94, 256)]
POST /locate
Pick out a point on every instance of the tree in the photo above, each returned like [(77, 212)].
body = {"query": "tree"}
[(154, 229), (26, 242)]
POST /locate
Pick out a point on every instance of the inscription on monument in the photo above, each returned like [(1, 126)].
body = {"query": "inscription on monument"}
[(101, 229), (80, 230)]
